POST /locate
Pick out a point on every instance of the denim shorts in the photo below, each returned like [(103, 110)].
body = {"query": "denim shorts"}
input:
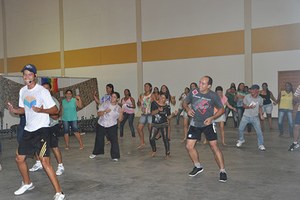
[(73, 124), (144, 119), (267, 108)]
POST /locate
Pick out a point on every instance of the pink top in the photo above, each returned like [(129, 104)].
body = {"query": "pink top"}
[(125, 105)]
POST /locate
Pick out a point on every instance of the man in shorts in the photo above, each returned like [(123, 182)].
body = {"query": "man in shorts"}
[(54, 132), (36, 102), (144, 102), (203, 101), (295, 144)]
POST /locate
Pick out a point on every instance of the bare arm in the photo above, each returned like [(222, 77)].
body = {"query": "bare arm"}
[(78, 101), (17, 111)]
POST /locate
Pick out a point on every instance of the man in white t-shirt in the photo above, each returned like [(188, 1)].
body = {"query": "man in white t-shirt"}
[(37, 104)]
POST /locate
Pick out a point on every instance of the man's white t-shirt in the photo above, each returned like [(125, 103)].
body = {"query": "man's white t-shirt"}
[(37, 96)]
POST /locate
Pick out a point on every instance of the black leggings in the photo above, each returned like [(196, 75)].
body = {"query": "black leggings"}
[(164, 133)]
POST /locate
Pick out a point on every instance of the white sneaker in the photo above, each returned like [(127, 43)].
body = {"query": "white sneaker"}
[(36, 166), (115, 159), (60, 170), (239, 143), (24, 188), (261, 147), (59, 196), (92, 156)]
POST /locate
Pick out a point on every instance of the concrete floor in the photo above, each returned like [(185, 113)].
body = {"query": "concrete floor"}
[(252, 174)]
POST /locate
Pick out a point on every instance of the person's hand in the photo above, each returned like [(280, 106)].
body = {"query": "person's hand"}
[(37, 109), (10, 107), (208, 121), (191, 112), (107, 110)]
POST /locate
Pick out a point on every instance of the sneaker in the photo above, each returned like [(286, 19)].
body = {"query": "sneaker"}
[(261, 147), (195, 171), (59, 196), (92, 156), (239, 143), (60, 170), (115, 159), (223, 177), (24, 188), (293, 146), (37, 166)]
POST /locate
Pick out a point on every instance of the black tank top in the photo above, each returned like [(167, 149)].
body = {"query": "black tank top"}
[(266, 98)]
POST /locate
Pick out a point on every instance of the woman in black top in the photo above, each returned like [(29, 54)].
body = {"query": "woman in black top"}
[(160, 112), (267, 97)]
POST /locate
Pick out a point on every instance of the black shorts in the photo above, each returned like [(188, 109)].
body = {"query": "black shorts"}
[(54, 132), (209, 131), (35, 142)]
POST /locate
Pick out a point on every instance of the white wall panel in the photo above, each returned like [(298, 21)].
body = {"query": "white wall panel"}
[(178, 74), (267, 65), (92, 23), (275, 12), (177, 18), (32, 27)]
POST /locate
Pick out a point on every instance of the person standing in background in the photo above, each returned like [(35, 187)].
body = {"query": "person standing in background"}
[(69, 117), (144, 102), (267, 107), (285, 106), (128, 105)]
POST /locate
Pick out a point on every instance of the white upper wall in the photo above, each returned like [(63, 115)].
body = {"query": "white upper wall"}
[(92, 23), (177, 18), (275, 12), (32, 27)]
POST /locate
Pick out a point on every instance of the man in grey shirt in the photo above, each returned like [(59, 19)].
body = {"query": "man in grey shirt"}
[(253, 109), (203, 102)]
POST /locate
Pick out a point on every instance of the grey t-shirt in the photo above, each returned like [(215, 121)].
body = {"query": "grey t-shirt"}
[(203, 105), (249, 100)]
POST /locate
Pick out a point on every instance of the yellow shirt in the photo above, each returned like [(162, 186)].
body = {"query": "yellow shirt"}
[(286, 100)]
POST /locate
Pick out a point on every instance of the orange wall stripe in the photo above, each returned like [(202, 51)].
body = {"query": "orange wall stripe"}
[(276, 38), (115, 54), (218, 44), (41, 61)]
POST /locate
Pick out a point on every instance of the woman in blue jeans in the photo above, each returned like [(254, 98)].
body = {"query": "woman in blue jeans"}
[(69, 117), (128, 105), (285, 101)]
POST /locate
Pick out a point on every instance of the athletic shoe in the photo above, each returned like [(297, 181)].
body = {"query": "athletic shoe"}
[(195, 171), (24, 188), (36, 166), (115, 159), (239, 143), (261, 147), (92, 156), (293, 146), (223, 177), (60, 170), (59, 196)]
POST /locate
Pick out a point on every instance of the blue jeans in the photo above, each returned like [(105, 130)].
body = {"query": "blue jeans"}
[(281, 114), (256, 124)]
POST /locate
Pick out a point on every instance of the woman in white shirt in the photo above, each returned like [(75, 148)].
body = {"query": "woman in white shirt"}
[(109, 114)]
